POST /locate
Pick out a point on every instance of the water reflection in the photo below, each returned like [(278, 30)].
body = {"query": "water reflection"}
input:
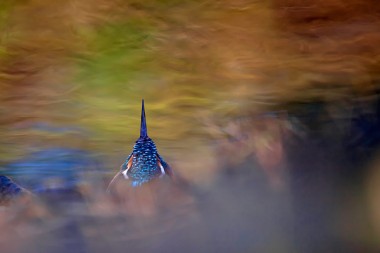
[(268, 111), (279, 176)]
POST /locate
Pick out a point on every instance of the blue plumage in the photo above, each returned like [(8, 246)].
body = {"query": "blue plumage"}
[(9, 190), (144, 163)]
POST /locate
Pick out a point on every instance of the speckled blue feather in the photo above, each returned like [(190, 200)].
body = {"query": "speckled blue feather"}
[(144, 161)]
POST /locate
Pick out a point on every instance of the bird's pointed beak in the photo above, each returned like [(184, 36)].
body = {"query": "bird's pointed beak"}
[(143, 129)]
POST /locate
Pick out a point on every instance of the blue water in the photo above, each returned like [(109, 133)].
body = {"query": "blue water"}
[(56, 163)]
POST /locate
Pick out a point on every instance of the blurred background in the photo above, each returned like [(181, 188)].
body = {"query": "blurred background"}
[(270, 109)]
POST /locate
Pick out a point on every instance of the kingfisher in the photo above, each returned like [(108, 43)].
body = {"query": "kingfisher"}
[(144, 163)]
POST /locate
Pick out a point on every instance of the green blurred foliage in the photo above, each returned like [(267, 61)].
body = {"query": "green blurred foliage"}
[(116, 64), (117, 54)]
